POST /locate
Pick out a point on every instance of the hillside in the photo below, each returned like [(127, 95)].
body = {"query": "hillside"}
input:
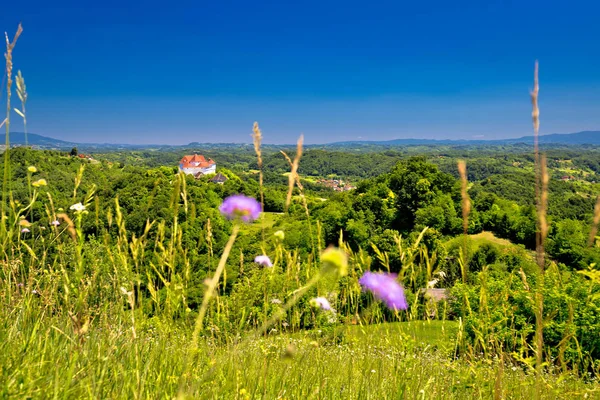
[(18, 138)]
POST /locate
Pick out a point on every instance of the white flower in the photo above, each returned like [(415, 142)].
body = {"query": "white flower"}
[(275, 301), (321, 302), (77, 207)]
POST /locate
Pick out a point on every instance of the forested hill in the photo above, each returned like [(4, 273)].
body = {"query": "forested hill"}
[(396, 194)]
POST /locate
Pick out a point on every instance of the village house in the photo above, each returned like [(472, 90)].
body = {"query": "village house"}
[(85, 157), (197, 165), (219, 178), (567, 178), (337, 185)]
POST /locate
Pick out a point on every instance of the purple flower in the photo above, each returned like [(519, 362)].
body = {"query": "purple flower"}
[(385, 288), (263, 260), (240, 206), (25, 230), (55, 222), (321, 302)]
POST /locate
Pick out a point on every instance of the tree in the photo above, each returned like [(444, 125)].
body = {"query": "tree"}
[(74, 152), (415, 184)]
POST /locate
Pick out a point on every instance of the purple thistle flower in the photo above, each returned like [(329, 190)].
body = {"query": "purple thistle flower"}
[(240, 206), (321, 302), (385, 288), (263, 260)]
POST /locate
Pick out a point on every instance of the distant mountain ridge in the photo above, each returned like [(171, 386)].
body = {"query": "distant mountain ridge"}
[(33, 140), (578, 138)]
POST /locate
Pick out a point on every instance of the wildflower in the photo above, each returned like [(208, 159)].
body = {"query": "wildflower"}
[(25, 230), (55, 222), (321, 302), (263, 260), (240, 206), (24, 222), (335, 260), (385, 288), (275, 301), (40, 182), (77, 207), (32, 169), (332, 317), (279, 235)]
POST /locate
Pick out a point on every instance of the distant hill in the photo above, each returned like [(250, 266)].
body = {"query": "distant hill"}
[(34, 140), (579, 138), (585, 137), (46, 142)]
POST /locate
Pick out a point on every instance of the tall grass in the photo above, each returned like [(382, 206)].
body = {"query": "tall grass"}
[(10, 45)]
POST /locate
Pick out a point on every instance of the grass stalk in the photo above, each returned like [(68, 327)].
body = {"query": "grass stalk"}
[(9, 66), (212, 285)]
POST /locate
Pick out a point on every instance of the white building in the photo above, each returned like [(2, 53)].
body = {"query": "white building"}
[(197, 165)]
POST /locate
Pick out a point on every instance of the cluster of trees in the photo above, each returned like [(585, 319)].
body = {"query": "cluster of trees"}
[(412, 193)]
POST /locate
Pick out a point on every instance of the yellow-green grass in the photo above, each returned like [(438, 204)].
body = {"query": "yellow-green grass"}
[(479, 239)]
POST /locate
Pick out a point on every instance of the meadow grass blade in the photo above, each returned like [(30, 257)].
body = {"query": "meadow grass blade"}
[(9, 66)]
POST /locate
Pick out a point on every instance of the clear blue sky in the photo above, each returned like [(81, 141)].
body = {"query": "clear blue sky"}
[(179, 71)]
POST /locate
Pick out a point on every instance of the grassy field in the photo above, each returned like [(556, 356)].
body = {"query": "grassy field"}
[(387, 361), (479, 239)]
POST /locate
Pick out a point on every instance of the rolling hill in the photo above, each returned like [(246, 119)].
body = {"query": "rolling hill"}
[(578, 138)]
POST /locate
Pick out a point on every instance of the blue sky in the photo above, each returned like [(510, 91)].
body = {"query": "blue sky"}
[(176, 72)]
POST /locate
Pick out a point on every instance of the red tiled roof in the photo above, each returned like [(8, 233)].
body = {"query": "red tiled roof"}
[(198, 161)]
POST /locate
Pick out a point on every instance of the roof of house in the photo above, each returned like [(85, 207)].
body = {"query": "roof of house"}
[(219, 178), (196, 161)]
